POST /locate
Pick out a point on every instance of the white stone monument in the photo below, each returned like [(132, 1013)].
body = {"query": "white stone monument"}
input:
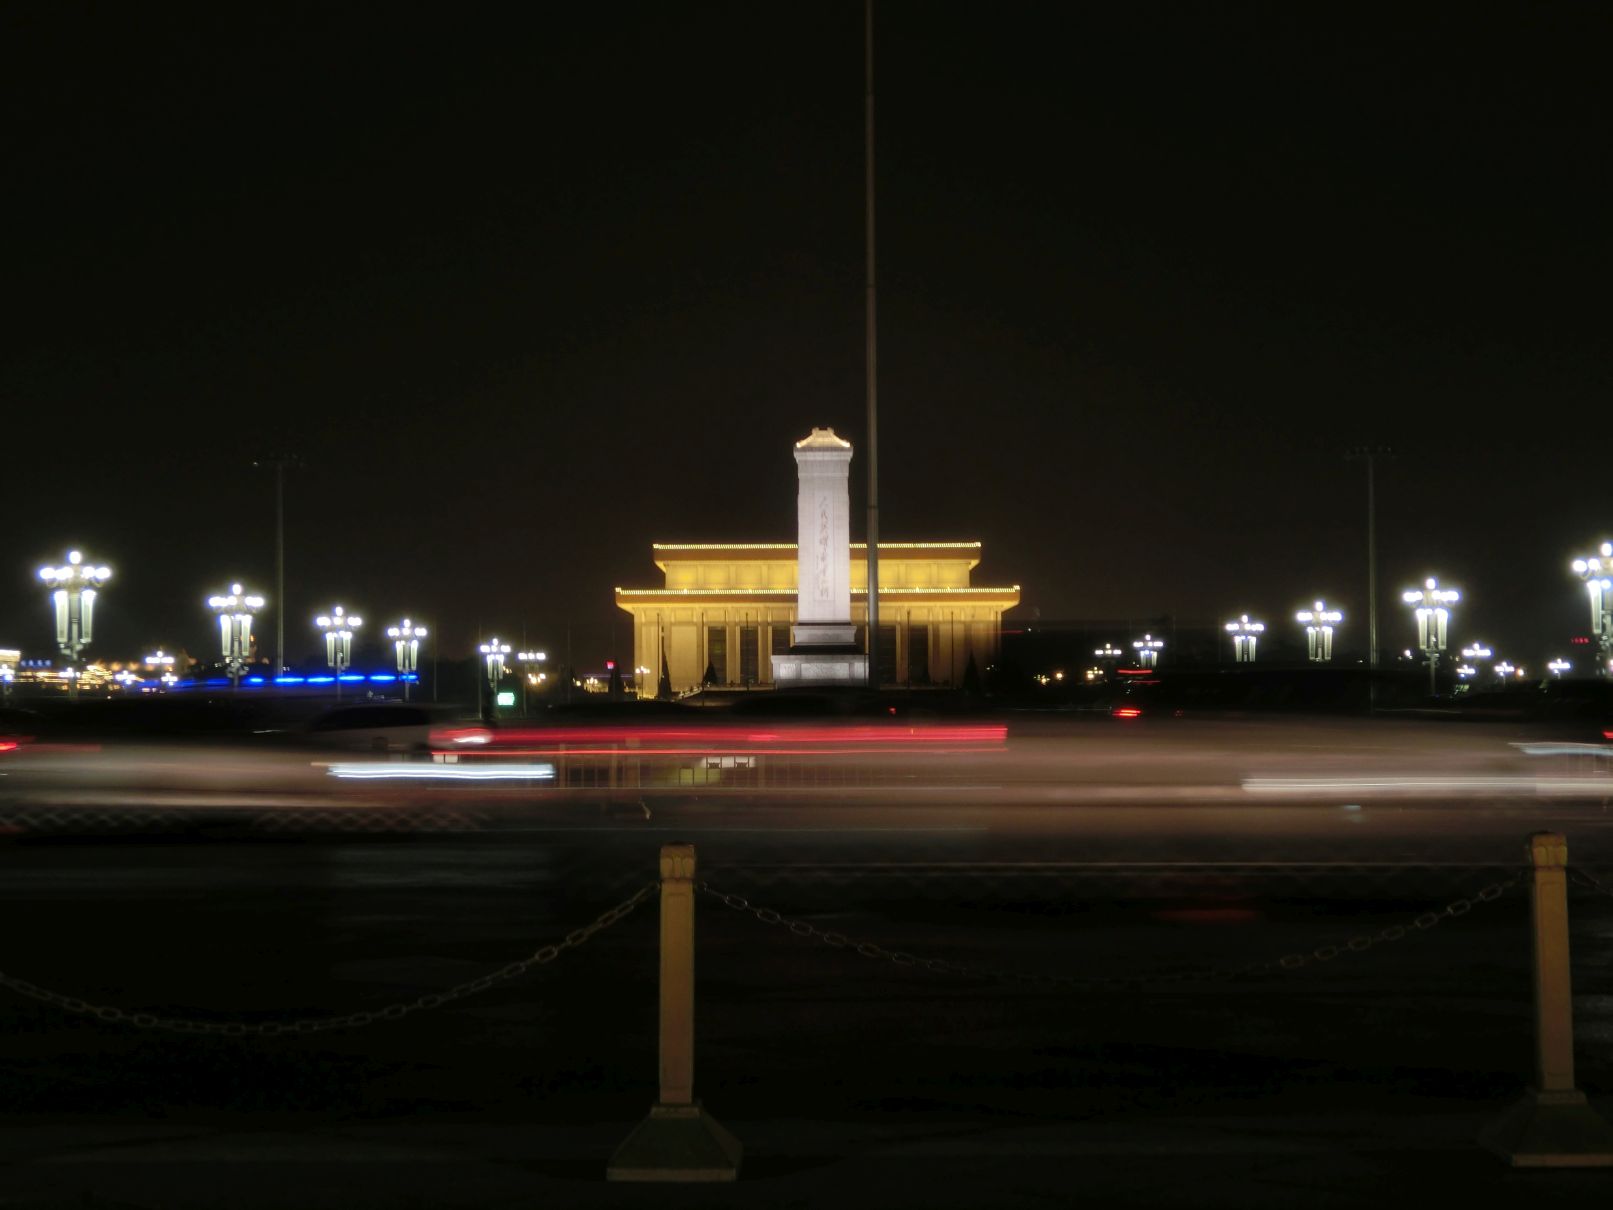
[(823, 641)]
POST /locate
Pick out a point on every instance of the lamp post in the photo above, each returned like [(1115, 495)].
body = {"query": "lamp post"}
[(527, 659), (162, 660), (493, 653), (1595, 570), (1245, 634), (1108, 656), (338, 626), (406, 638), (74, 589), (1504, 670), (1148, 649), (1433, 617), (235, 613), (1319, 621), (1558, 667)]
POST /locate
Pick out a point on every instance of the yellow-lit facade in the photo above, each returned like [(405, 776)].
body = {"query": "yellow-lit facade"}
[(730, 606)]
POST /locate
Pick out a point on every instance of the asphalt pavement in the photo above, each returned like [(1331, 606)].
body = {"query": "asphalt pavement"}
[(1095, 1032)]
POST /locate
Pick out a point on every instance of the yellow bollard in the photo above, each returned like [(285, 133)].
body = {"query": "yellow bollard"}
[(1552, 1126), (679, 1140)]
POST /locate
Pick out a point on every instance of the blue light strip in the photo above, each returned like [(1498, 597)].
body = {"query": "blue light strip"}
[(376, 678)]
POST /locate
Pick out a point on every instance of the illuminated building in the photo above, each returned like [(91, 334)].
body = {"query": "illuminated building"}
[(729, 607)]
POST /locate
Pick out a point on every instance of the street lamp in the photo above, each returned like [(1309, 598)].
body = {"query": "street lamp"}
[(528, 658), (1558, 667), (406, 638), (1504, 670), (235, 614), (1147, 649), (1319, 621), (1477, 652), (1594, 571), (1245, 634), (161, 659), (338, 626), (74, 591), (1432, 620), (493, 652)]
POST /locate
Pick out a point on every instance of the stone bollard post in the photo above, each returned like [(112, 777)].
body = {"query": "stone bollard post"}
[(679, 1140), (1552, 1126)]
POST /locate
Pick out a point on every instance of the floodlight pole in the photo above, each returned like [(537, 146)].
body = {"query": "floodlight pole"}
[(872, 363)]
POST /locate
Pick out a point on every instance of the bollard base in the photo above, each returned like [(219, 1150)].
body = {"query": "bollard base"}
[(676, 1143), (1551, 1130)]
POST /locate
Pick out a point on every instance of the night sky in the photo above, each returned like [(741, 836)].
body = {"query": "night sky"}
[(529, 293)]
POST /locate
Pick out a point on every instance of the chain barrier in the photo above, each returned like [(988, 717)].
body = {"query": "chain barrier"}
[(314, 1025), (1288, 962), (1585, 878)]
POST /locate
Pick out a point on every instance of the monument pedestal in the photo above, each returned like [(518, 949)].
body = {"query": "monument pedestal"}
[(830, 667)]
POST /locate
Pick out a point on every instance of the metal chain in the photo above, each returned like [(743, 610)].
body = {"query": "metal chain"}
[(314, 1025), (1585, 878), (1288, 962)]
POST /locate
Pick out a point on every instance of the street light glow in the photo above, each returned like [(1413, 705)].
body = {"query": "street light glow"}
[(1432, 620), (1245, 634), (1319, 621), (1594, 570), (338, 626), (1148, 649), (494, 652), (406, 638), (235, 613), (74, 594)]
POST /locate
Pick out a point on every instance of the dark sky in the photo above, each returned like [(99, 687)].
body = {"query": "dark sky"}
[(527, 293)]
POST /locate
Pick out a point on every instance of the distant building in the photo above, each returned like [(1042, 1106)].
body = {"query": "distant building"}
[(728, 607)]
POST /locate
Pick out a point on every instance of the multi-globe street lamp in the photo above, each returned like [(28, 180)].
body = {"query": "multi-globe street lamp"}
[(1108, 656), (1245, 634), (338, 626), (162, 660), (493, 653), (527, 659), (74, 589), (1148, 649), (1433, 618), (1558, 667), (1503, 670), (406, 638), (1595, 570), (235, 610), (1319, 621)]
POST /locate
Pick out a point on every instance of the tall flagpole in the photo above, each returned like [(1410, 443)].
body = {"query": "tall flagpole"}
[(872, 362)]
